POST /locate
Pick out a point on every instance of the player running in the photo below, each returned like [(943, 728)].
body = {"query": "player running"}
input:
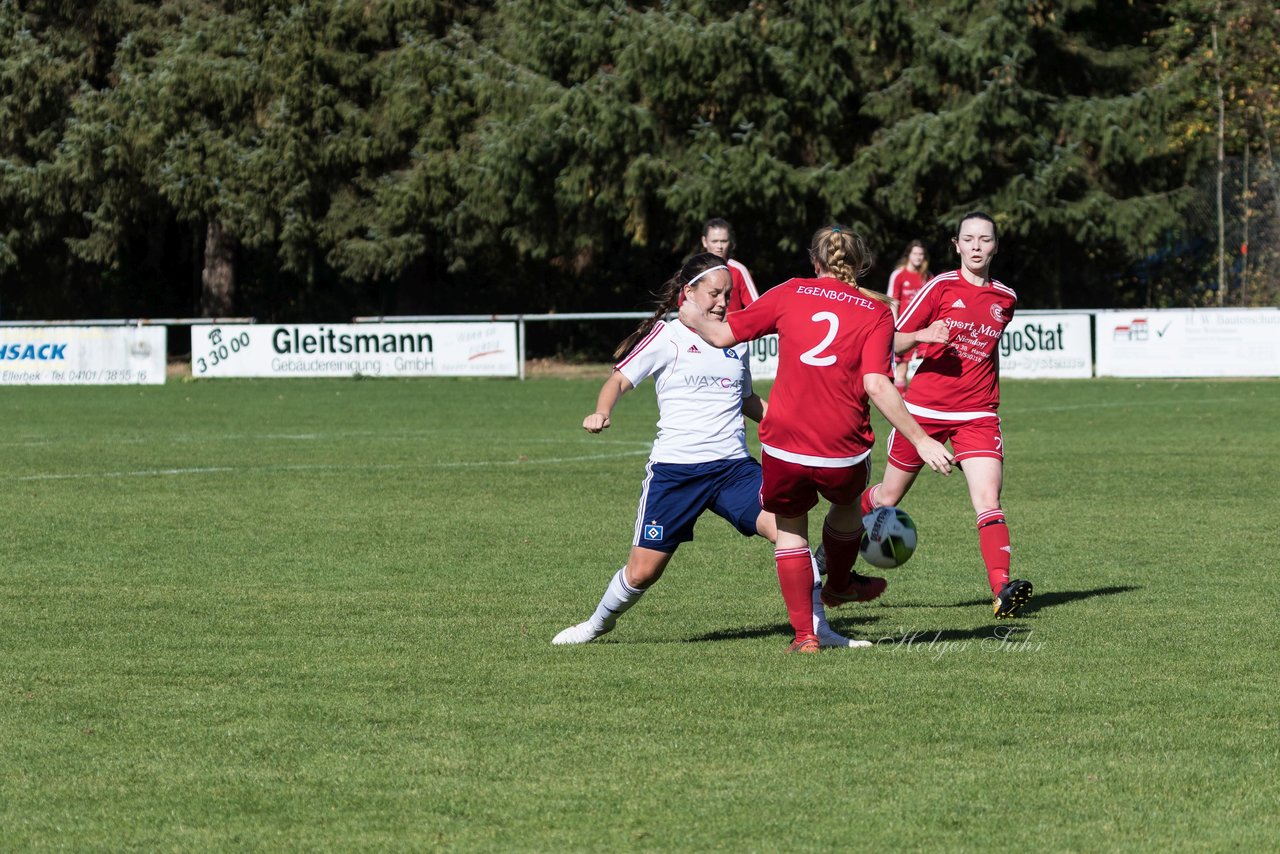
[(699, 460), (835, 348), (957, 321)]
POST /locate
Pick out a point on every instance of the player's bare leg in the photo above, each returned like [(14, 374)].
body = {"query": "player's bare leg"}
[(890, 490)]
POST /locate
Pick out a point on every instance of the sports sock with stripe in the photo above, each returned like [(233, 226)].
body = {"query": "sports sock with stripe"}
[(993, 540), (617, 598), (795, 577), (868, 502)]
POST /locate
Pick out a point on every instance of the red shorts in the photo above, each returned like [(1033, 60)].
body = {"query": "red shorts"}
[(978, 437), (899, 358), (792, 489)]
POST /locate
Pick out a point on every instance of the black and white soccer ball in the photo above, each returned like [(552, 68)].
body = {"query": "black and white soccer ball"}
[(889, 537)]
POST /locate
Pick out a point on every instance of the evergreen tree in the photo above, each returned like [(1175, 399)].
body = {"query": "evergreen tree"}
[(1046, 115), (272, 134), (895, 117), (316, 159), (51, 55)]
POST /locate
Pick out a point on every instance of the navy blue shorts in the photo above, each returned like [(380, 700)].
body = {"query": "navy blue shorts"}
[(674, 495)]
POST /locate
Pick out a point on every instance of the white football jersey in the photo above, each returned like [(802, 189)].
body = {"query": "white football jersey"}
[(700, 393)]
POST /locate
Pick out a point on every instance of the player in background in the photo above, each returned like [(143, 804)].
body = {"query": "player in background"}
[(956, 322), (835, 349), (906, 280), (717, 238), (699, 460)]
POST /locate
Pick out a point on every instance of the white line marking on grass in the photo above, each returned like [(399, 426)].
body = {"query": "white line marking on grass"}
[(286, 437), (1126, 404), (549, 461), (108, 474), (176, 472)]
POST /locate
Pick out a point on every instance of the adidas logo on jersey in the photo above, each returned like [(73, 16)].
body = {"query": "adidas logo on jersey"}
[(693, 348), (958, 304)]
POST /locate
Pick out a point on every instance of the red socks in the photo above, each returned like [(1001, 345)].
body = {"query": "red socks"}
[(993, 540), (795, 577), (842, 551), (868, 502)]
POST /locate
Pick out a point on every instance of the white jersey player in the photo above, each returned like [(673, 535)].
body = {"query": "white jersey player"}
[(699, 460)]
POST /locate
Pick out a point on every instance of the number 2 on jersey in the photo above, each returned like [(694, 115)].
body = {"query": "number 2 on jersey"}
[(811, 357)]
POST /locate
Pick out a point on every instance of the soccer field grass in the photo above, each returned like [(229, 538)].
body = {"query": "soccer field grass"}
[(317, 615)]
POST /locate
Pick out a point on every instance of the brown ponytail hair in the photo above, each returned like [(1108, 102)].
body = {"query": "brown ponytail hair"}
[(905, 260), (843, 253), (669, 297)]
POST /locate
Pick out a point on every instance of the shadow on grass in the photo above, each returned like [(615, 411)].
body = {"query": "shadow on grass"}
[(1006, 632), (743, 633), (1040, 601), (856, 625), (859, 626)]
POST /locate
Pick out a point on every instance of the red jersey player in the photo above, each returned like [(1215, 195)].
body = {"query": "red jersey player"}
[(699, 461), (834, 342), (957, 321), (717, 238), (905, 282)]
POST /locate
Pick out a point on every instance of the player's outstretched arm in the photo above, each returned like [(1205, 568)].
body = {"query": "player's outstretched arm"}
[(886, 398), (615, 387), (712, 329), (755, 407)]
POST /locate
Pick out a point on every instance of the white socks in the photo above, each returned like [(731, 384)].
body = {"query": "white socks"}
[(617, 598)]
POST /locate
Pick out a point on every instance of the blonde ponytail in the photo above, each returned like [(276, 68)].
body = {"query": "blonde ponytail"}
[(843, 253)]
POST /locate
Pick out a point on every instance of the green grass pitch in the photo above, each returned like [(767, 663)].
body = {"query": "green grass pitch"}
[(316, 615)]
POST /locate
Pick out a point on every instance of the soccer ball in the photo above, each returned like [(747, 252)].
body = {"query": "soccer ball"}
[(889, 538)]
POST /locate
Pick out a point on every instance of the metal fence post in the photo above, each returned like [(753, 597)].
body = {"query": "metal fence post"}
[(520, 342)]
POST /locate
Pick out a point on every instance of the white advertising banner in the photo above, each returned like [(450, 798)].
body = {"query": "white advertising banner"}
[(1033, 346), (357, 349), (82, 355), (764, 358), (1199, 342), (1039, 345)]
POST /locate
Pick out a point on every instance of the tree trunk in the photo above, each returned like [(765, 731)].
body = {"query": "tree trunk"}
[(218, 279), (1222, 133)]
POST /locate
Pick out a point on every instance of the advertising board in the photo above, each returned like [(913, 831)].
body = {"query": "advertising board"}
[(358, 349), (82, 355), (1197, 342), (1046, 346)]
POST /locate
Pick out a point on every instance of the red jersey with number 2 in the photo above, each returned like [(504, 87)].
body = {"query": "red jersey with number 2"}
[(829, 336), (963, 375)]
